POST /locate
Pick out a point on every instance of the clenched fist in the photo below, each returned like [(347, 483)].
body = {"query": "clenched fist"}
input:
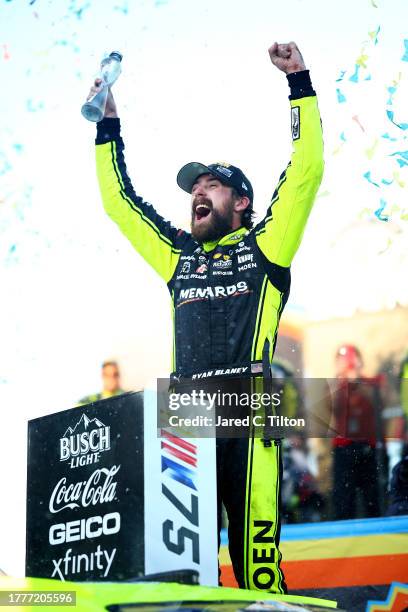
[(286, 57)]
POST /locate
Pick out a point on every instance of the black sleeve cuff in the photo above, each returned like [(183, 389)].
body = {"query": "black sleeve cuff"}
[(108, 129), (300, 85)]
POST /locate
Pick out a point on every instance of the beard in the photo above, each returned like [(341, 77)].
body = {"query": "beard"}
[(218, 225)]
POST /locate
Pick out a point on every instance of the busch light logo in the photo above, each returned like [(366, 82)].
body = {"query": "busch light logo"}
[(83, 443)]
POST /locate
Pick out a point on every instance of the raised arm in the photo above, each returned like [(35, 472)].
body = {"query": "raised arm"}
[(280, 232), (155, 239)]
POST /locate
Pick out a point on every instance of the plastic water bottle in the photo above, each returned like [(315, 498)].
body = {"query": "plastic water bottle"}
[(94, 109)]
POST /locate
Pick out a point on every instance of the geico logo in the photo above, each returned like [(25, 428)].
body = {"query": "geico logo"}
[(88, 441), (84, 529), (212, 292)]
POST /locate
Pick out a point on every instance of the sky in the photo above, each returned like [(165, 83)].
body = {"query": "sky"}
[(196, 85)]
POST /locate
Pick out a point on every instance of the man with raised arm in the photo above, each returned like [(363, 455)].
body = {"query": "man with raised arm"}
[(229, 282)]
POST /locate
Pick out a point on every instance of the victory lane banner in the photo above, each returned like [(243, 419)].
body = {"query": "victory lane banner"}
[(87, 477)]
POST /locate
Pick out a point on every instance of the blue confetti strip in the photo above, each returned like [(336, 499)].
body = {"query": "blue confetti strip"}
[(367, 176), (354, 77), (343, 137), (402, 126), (403, 154), (387, 182), (391, 91), (341, 77), (376, 35), (404, 58), (340, 97), (386, 135), (123, 9), (379, 211)]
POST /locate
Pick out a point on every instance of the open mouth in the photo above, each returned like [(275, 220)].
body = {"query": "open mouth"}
[(202, 211)]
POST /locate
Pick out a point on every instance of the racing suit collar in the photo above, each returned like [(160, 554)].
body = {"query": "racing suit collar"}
[(232, 238)]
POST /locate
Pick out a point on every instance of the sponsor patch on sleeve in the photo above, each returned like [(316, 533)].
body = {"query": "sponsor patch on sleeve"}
[(295, 123)]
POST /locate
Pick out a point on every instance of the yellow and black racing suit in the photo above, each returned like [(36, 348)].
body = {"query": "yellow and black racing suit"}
[(228, 296)]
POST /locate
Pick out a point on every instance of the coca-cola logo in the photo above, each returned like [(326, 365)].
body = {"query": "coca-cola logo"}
[(98, 489)]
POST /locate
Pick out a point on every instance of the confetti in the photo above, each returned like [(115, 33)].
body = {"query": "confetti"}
[(389, 137), (367, 176), (32, 108), (387, 246), (6, 54), (123, 9), (402, 126), (403, 154), (341, 77), (374, 4), (385, 182), (343, 137), (361, 61), (340, 97), (370, 152), (374, 35), (398, 180), (404, 58), (354, 77), (379, 212), (78, 12), (357, 120)]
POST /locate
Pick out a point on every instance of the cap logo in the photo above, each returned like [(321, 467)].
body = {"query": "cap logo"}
[(225, 171), (223, 163), (244, 186)]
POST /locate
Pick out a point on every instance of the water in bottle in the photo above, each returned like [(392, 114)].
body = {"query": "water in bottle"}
[(94, 109)]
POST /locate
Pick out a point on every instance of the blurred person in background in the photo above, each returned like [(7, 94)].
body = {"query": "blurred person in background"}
[(358, 446), (110, 384)]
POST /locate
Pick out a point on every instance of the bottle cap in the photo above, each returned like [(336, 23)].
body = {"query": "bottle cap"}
[(116, 55)]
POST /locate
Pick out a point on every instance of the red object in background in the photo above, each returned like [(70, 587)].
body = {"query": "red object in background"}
[(357, 408)]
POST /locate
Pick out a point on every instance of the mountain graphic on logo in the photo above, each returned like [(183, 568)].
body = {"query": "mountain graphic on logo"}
[(84, 424)]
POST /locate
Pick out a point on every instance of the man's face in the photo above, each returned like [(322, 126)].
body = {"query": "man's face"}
[(212, 209), (111, 378), (350, 368)]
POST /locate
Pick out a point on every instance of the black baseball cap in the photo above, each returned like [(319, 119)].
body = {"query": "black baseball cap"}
[(226, 173)]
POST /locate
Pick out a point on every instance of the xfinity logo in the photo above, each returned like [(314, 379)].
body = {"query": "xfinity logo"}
[(213, 292), (84, 442)]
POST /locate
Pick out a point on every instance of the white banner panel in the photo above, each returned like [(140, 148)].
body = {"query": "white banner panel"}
[(180, 500)]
